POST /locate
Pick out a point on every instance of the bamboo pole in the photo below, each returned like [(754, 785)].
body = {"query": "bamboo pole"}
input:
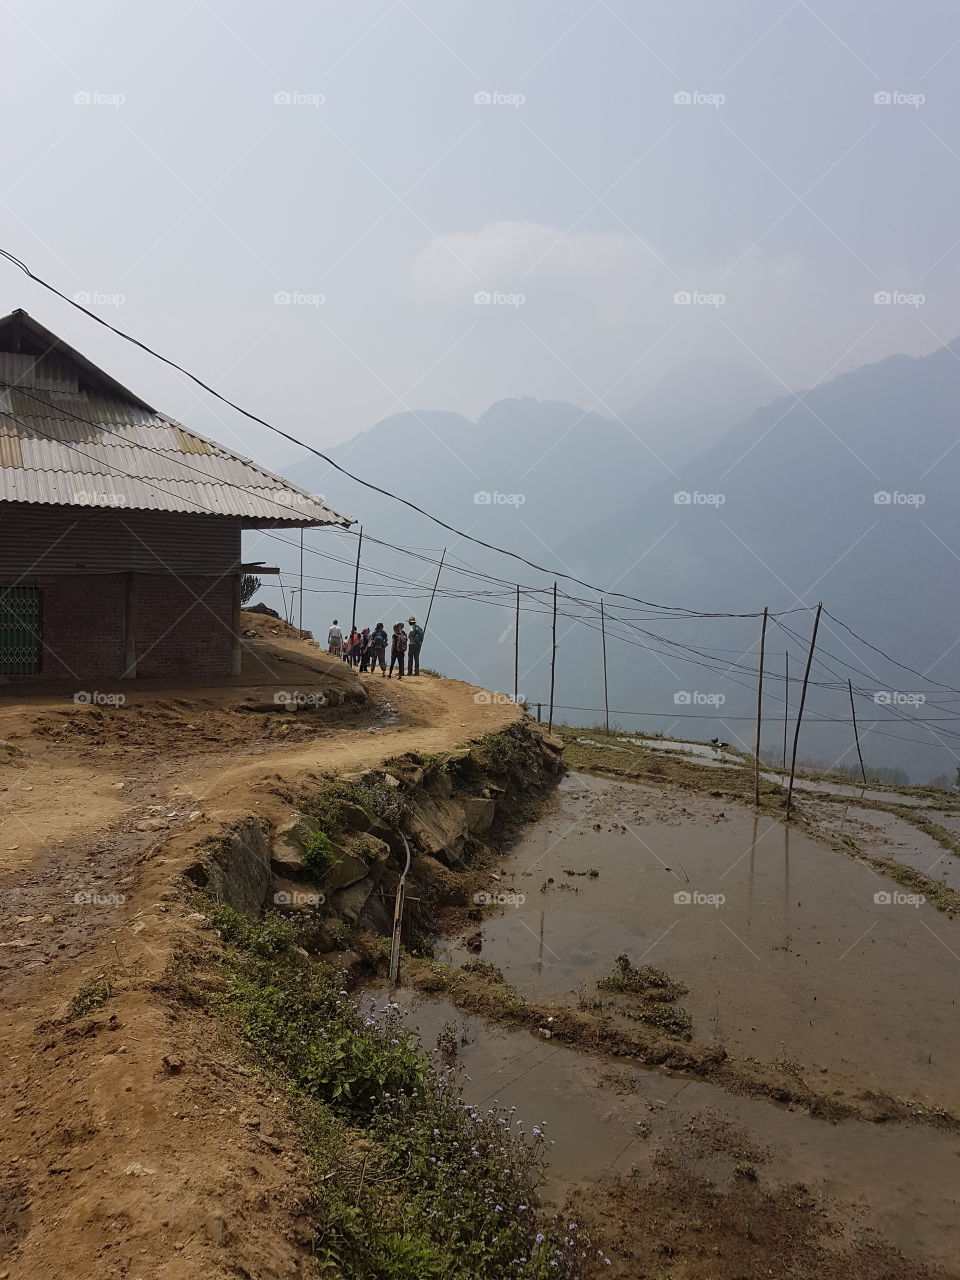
[(553, 656), (856, 732), (756, 756), (356, 585), (786, 702), (516, 651), (603, 637), (803, 698)]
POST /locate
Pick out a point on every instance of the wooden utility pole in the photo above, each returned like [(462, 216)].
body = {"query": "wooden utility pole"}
[(603, 638), (856, 732), (803, 698), (356, 585), (756, 756), (786, 702), (433, 593), (516, 651), (553, 656)]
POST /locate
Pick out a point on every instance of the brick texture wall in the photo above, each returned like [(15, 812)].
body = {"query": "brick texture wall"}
[(183, 625)]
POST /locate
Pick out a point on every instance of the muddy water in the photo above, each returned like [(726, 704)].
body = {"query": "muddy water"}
[(894, 838), (858, 793), (809, 954), (604, 1121)]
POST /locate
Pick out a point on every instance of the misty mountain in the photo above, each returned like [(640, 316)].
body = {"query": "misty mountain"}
[(844, 494)]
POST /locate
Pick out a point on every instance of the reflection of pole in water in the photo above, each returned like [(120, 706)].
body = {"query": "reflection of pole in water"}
[(753, 850), (540, 954), (786, 875)]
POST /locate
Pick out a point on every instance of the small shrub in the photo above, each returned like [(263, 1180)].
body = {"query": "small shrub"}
[(91, 996), (319, 855)]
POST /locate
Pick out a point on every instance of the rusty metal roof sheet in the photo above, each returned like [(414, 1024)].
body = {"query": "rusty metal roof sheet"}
[(93, 447)]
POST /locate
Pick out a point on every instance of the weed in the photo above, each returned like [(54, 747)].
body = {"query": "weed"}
[(91, 996), (319, 854)]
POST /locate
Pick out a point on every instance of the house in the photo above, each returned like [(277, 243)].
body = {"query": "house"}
[(119, 527)]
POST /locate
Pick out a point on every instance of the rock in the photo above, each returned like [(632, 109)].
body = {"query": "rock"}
[(479, 812), (474, 942), (216, 1229), (152, 824), (173, 1065)]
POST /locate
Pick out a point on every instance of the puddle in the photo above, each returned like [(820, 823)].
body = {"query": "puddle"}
[(810, 955), (608, 1120), (895, 838), (841, 789)]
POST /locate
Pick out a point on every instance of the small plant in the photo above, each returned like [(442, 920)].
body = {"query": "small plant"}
[(652, 996), (319, 855), (91, 996)]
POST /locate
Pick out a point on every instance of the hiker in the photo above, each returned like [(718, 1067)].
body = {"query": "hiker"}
[(413, 650), (335, 639), (398, 650), (378, 649), (364, 649), (355, 648)]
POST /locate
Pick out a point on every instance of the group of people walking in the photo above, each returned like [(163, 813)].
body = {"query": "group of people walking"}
[(367, 649)]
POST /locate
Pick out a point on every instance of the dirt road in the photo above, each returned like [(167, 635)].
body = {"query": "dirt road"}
[(134, 1144)]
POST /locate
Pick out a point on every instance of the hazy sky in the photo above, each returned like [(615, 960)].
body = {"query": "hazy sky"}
[(148, 165)]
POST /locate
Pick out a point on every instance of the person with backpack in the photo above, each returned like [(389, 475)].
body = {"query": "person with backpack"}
[(398, 650), (413, 650), (355, 648), (378, 649)]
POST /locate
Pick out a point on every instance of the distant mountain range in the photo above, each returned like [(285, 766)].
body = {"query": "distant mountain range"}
[(708, 494)]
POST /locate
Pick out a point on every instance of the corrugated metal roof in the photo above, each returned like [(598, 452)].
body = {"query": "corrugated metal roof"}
[(95, 448)]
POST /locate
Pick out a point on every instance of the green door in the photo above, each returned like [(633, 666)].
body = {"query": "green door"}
[(19, 630)]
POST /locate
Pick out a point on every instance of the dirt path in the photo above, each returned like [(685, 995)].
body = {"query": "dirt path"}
[(133, 1144)]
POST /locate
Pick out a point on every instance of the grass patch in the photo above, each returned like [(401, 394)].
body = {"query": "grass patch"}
[(409, 1182), (651, 996), (91, 996), (319, 854)]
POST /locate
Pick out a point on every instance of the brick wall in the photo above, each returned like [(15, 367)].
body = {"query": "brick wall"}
[(82, 625)]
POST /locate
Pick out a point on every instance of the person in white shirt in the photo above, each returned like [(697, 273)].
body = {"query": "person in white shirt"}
[(335, 639)]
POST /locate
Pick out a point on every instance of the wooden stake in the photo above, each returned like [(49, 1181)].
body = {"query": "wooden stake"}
[(803, 698), (553, 656), (433, 593), (856, 732), (603, 637), (516, 651), (756, 757), (300, 601), (356, 585), (786, 703)]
